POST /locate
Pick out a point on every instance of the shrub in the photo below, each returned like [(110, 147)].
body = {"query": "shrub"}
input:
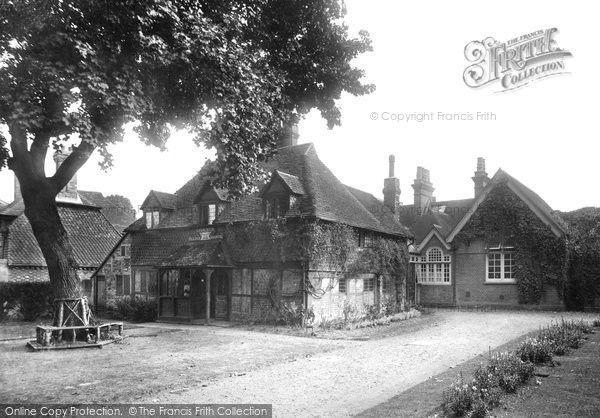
[(536, 351), (459, 398), (134, 309), (507, 371), (26, 301), (596, 323)]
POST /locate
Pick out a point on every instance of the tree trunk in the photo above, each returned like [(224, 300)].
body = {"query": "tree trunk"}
[(42, 213)]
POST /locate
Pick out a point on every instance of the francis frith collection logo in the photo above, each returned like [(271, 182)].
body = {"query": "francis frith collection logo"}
[(514, 63)]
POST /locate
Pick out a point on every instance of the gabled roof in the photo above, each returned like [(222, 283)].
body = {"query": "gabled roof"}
[(325, 197), (442, 216), (529, 197), (91, 235), (220, 194), (290, 182), (156, 199)]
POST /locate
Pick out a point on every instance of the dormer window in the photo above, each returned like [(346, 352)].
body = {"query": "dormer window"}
[(276, 207), (152, 218), (280, 194), (208, 213), (211, 202), (157, 206)]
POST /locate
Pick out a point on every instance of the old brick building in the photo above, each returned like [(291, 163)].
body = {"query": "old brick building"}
[(90, 232), (480, 272), (181, 254)]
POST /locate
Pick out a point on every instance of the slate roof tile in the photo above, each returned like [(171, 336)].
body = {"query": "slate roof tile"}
[(90, 233)]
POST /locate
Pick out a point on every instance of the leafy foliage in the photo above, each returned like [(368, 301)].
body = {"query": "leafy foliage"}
[(26, 301), (121, 202), (388, 258), (133, 309), (540, 257), (584, 242), (311, 244), (231, 72)]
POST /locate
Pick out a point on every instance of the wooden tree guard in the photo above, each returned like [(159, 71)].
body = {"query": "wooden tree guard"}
[(73, 315)]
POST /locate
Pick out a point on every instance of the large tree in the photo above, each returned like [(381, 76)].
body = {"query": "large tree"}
[(232, 72)]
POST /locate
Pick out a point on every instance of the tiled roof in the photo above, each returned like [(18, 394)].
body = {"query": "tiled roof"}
[(120, 217), (293, 182), (444, 216), (150, 247), (90, 234), (189, 191), (164, 200), (199, 253), (325, 197), (93, 199), (380, 211)]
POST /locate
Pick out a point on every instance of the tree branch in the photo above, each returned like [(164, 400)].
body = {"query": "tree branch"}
[(72, 163), (38, 151), (21, 159)]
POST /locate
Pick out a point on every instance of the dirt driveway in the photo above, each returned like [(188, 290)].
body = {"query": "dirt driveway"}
[(362, 374), (300, 376)]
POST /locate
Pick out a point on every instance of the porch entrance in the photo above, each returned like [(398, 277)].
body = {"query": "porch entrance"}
[(185, 293)]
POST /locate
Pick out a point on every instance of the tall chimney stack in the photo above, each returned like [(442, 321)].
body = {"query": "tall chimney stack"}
[(289, 135), (480, 178), (391, 188), (69, 192), (423, 190)]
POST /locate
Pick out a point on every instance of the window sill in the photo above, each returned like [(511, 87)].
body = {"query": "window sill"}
[(436, 284), (500, 281)]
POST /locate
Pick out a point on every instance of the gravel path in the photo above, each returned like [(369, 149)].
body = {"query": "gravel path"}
[(361, 374)]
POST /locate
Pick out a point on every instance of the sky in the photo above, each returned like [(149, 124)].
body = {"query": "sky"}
[(544, 134)]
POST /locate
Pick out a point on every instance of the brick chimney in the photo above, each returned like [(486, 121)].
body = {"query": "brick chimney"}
[(391, 188), (480, 178), (289, 136), (423, 190), (69, 192)]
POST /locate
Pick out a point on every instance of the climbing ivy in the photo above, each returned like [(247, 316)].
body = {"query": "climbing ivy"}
[(387, 258), (319, 246), (541, 258)]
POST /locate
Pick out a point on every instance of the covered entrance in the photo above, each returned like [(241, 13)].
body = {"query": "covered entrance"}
[(189, 292), (194, 293)]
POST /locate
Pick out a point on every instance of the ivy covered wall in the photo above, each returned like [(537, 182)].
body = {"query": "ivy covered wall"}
[(541, 258)]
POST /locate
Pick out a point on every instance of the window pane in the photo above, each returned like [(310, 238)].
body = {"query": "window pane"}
[(119, 285), (434, 254), (127, 285), (494, 266), (152, 283), (446, 273), (155, 217), (508, 265), (212, 211), (342, 286), (148, 220), (137, 287)]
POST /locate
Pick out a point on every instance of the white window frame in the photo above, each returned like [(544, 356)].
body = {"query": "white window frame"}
[(502, 251), (432, 272)]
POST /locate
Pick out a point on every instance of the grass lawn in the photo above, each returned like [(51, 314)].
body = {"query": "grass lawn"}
[(572, 388)]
